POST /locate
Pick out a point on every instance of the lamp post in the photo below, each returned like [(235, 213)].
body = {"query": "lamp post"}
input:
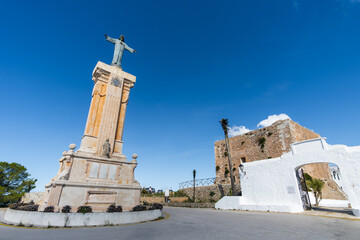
[(194, 175)]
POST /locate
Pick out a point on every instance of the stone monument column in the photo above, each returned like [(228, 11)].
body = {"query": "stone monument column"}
[(107, 110), (98, 174)]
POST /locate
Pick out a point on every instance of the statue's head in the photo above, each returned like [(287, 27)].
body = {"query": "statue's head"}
[(122, 38), (107, 140)]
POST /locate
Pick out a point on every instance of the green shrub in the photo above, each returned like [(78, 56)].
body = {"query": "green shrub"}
[(66, 209), (84, 209), (156, 206), (180, 194), (226, 172), (217, 168), (112, 208), (261, 142), (118, 209), (143, 191), (138, 208), (49, 209)]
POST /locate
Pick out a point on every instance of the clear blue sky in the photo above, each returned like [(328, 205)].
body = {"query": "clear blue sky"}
[(197, 62)]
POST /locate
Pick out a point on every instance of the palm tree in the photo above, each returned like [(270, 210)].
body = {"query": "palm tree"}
[(316, 185), (194, 175), (225, 124)]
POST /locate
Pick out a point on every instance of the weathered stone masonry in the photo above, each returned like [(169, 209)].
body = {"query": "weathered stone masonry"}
[(266, 143)]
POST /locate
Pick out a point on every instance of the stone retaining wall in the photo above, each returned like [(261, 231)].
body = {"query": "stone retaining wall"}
[(162, 199), (202, 193), (190, 205), (45, 219)]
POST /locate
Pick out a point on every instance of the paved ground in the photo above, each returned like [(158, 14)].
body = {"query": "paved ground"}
[(186, 223), (344, 213)]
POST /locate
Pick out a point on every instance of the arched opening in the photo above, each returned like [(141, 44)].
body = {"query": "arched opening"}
[(321, 188)]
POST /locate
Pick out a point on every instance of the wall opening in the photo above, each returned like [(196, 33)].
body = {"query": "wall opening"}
[(332, 196)]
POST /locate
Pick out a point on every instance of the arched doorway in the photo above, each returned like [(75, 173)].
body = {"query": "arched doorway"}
[(320, 188)]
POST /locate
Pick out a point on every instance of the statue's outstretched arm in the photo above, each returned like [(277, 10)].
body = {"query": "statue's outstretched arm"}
[(113, 40), (129, 48)]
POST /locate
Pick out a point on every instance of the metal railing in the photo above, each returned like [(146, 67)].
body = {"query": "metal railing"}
[(198, 182)]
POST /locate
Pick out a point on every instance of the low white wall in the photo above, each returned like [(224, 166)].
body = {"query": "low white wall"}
[(44, 219), (334, 203), (329, 202), (239, 203)]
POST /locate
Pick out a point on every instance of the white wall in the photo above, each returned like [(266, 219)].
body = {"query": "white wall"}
[(44, 219), (329, 202), (271, 184)]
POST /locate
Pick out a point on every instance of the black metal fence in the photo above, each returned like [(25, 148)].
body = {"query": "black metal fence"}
[(198, 182)]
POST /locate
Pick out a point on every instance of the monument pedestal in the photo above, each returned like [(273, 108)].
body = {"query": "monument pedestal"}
[(98, 174)]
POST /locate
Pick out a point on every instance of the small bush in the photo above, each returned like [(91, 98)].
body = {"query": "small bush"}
[(269, 134), (49, 209), (261, 142), (119, 209), (144, 191), (30, 208), (226, 172), (156, 206), (112, 208), (84, 209), (217, 168), (66, 209), (138, 208), (180, 193)]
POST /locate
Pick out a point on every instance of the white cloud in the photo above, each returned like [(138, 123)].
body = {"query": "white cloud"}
[(271, 119), (237, 130)]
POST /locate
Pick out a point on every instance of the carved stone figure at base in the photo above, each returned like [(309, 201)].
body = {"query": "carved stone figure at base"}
[(106, 149)]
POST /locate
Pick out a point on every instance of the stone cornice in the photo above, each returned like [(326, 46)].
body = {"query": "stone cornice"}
[(105, 69)]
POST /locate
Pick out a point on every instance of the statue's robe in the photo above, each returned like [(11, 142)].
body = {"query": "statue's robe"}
[(119, 50)]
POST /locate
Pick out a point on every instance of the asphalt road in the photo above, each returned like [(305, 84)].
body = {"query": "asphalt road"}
[(186, 223)]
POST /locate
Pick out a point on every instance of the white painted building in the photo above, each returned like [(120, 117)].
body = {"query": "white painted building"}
[(272, 185)]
